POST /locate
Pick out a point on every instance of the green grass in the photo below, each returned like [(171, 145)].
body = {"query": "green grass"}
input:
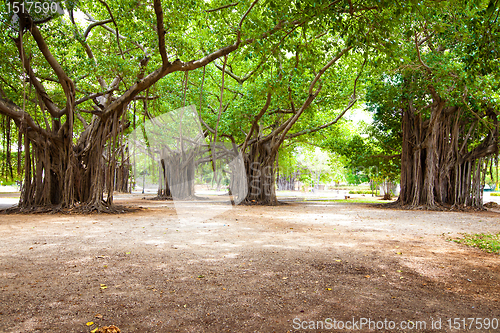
[(360, 192), (487, 242), (495, 194), (362, 201), (354, 200), (351, 187)]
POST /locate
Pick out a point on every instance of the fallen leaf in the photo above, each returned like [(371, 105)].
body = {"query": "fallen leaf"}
[(338, 260), (99, 316), (127, 252), (201, 276), (90, 323), (329, 289), (108, 329), (103, 286), (399, 253), (367, 276)]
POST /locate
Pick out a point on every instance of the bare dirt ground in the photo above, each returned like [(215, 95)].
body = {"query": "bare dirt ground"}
[(251, 269)]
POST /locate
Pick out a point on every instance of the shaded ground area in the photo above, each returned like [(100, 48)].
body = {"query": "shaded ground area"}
[(251, 269)]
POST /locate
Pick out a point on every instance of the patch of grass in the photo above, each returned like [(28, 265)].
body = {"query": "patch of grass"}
[(495, 194), (360, 192), (487, 242), (346, 187), (355, 200), (361, 201)]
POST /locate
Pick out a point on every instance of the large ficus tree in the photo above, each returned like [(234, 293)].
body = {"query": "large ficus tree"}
[(302, 81), (443, 87), (67, 83), (298, 82)]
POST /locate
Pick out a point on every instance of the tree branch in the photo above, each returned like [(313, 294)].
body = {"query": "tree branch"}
[(221, 7), (10, 109), (427, 68), (93, 25), (91, 19), (243, 18), (40, 89), (161, 33), (256, 121), (116, 26)]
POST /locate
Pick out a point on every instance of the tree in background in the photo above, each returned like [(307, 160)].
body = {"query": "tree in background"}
[(448, 106)]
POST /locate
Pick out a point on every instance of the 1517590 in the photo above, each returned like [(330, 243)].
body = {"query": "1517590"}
[(473, 323), (33, 7)]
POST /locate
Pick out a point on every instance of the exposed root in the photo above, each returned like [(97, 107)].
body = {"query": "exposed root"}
[(169, 198), (248, 202), (77, 209), (436, 207), (160, 198)]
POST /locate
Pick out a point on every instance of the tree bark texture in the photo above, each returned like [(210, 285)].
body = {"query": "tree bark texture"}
[(441, 158)]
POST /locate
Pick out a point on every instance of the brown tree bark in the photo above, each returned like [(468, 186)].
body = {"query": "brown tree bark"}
[(440, 165)]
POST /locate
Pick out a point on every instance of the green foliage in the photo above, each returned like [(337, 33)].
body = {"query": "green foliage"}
[(487, 242), (463, 54), (365, 159)]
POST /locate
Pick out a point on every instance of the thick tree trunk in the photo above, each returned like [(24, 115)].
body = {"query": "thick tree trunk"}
[(437, 167), (45, 165), (260, 175), (164, 192), (48, 160), (177, 175)]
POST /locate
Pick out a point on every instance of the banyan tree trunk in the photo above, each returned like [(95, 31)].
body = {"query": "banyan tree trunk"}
[(164, 192), (59, 174), (177, 175), (46, 163), (440, 167), (260, 175)]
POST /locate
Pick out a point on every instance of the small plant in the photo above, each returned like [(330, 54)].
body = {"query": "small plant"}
[(487, 242), (495, 194)]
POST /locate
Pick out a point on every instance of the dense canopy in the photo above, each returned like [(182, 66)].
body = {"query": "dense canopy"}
[(263, 76)]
